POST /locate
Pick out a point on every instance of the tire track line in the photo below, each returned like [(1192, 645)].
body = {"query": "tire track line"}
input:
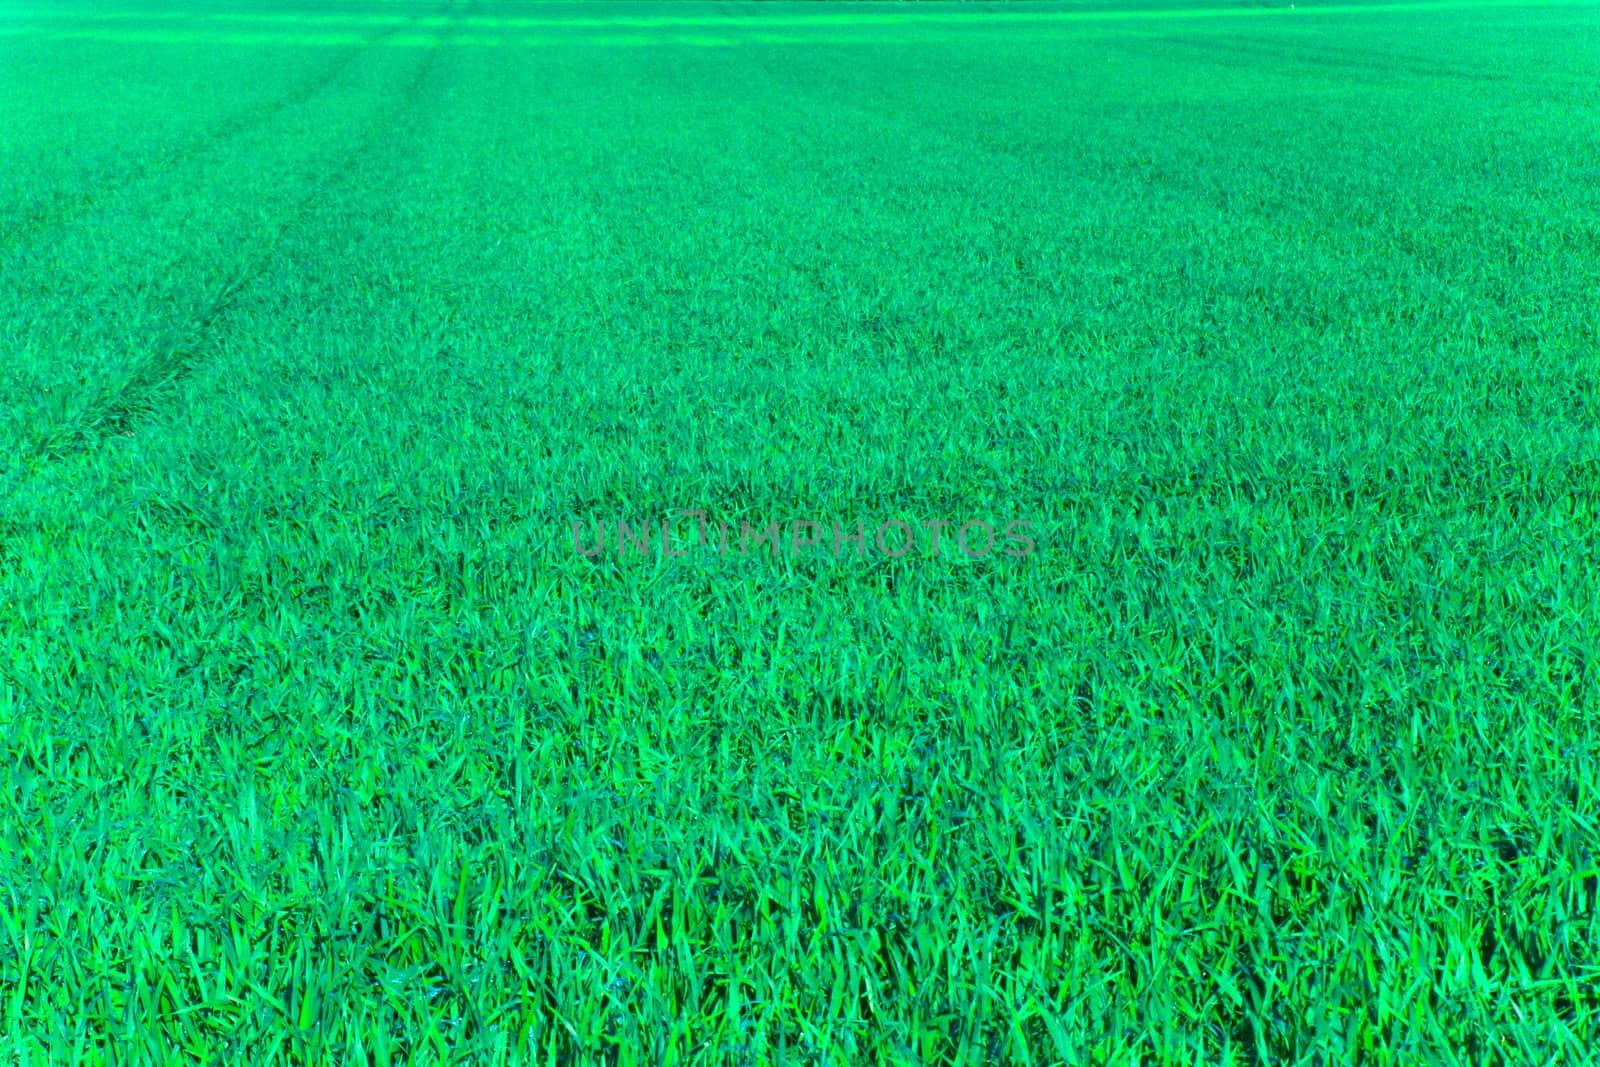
[(1374, 65), (183, 350), (54, 210)]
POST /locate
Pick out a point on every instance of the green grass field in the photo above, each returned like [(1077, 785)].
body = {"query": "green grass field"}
[(332, 335)]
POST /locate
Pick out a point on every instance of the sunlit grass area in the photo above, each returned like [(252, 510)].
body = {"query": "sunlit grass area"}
[(344, 725)]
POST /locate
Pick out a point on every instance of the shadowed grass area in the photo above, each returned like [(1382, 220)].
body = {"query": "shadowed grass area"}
[(331, 741)]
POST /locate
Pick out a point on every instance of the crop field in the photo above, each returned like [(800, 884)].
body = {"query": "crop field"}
[(799, 533)]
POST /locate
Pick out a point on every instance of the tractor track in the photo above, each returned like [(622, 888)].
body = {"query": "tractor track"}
[(64, 205), (1376, 64), (183, 349)]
